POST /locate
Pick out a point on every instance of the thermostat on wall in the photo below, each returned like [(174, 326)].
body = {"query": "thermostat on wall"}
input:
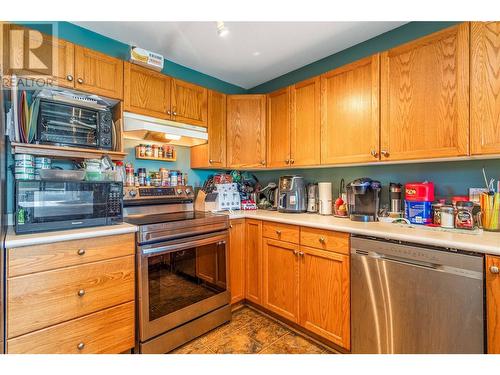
[(146, 58)]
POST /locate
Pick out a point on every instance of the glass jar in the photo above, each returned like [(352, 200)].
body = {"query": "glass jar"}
[(149, 151), (464, 218), (447, 217)]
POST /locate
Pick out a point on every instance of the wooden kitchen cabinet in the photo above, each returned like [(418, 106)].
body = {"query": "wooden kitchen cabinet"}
[(278, 128), (305, 123), (62, 52), (253, 259), (213, 153), (424, 97), (485, 88), (324, 295), (246, 131), (493, 303), (237, 261), (189, 103), (146, 91), (98, 73), (350, 113), (281, 278)]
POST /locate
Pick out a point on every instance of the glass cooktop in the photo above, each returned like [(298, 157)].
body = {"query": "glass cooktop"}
[(144, 219)]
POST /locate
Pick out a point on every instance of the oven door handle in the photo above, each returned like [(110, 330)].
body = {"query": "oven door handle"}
[(220, 239)]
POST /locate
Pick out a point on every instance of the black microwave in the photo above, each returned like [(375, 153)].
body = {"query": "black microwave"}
[(65, 124), (55, 205)]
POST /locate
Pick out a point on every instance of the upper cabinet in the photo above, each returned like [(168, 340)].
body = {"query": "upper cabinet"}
[(189, 103), (146, 92), (305, 123), (213, 153), (98, 73), (246, 131), (485, 88), (350, 113), (278, 128), (424, 97)]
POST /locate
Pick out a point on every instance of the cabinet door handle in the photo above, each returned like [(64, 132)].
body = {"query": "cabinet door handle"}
[(230, 225), (301, 253), (385, 153), (80, 346), (81, 293), (169, 112), (296, 253), (80, 80), (263, 162), (287, 161), (322, 240), (81, 252), (210, 161), (374, 153), (278, 232), (494, 269), (292, 161), (69, 77), (174, 113)]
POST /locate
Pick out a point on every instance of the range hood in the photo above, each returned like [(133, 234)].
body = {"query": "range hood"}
[(141, 127)]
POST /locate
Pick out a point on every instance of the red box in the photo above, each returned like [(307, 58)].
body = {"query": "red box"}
[(419, 191)]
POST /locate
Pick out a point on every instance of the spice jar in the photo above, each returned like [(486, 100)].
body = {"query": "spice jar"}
[(142, 150), (160, 151), (464, 218), (436, 208), (447, 217), (149, 151)]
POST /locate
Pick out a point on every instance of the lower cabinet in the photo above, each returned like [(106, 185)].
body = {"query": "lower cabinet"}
[(493, 303), (280, 278), (253, 260), (237, 260), (324, 294)]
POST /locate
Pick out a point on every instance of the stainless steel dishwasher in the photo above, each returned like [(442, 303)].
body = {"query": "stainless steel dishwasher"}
[(406, 298)]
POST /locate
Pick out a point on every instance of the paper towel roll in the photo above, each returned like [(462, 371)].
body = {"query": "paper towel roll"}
[(325, 198)]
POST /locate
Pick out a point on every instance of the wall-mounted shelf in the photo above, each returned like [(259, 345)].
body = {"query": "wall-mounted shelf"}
[(63, 152), (173, 158)]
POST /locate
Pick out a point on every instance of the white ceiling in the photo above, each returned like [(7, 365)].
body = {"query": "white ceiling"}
[(252, 53)]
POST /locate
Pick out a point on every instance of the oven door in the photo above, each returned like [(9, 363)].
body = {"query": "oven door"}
[(180, 280)]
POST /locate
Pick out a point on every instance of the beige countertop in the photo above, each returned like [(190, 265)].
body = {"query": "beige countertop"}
[(483, 242), (13, 240)]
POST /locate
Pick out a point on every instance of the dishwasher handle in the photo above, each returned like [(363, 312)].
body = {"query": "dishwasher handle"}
[(412, 262)]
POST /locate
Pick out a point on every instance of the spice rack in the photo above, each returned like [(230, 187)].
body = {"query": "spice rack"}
[(139, 156)]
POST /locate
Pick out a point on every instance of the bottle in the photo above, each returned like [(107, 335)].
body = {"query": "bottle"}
[(120, 172)]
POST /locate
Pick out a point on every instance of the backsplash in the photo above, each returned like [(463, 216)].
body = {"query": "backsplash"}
[(450, 178)]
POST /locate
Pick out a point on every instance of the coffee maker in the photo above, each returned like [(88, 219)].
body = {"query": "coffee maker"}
[(292, 194), (363, 199)]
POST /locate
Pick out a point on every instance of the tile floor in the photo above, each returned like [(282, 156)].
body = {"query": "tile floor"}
[(250, 332)]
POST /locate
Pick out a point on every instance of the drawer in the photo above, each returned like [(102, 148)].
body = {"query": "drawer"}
[(281, 232), (109, 331), (30, 259), (43, 299), (325, 239)]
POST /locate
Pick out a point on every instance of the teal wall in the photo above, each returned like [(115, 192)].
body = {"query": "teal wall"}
[(450, 178), (112, 47), (382, 42)]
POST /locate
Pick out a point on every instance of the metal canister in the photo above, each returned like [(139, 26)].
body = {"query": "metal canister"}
[(173, 178), (141, 173)]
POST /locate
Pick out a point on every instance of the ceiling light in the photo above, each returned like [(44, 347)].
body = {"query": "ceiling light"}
[(256, 53), (222, 30), (173, 137)]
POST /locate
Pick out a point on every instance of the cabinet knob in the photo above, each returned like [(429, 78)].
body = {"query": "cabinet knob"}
[(210, 161), (263, 162), (374, 153), (231, 226), (80, 80), (287, 161), (278, 232), (301, 253), (494, 269), (292, 161), (322, 240), (80, 346), (69, 77), (296, 253), (81, 293), (81, 252), (385, 153), (174, 113), (169, 112)]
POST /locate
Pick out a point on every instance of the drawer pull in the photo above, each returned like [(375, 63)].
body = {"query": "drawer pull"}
[(278, 232), (81, 293), (81, 251), (69, 77), (80, 346), (80, 80), (301, 253), (494, 269), (322, 240)]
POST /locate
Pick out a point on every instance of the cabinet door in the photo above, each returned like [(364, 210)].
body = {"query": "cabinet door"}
[(324, 295), (350, 113), (246, 131), (278, 128), (281, 278), (189, 103), (305, 123), (493, 303), (237, 260), (216, 129), (62, 52), (485, 88), (253, 246), (146, 92), (424, 97), (98, 73)]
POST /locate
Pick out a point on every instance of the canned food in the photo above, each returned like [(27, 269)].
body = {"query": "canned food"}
[(24, 157), (23, 163), (42, 160), (24, 176), (29, 170)]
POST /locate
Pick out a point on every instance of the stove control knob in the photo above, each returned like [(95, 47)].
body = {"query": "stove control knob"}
[(188, 191), (179, 191), (132, 193)]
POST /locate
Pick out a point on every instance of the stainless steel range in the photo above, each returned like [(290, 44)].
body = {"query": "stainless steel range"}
[(182, 260)]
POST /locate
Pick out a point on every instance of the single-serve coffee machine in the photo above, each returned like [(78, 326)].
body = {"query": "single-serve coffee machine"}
[(363, 199), (292, 194)]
